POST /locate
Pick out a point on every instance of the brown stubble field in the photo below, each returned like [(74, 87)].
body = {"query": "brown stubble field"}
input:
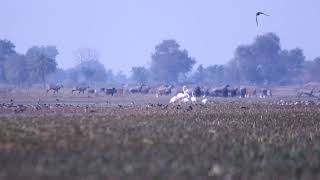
[(110, 138)]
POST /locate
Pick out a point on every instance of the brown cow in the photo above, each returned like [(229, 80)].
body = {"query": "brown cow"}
[(120, 92), (80, 89), (233, 91), (164, 90), (55, 88), (304, 92), (221, 91), (136, 89), (111, 91)]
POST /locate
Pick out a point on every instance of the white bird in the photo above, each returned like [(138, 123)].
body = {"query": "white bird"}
[(186, 99), (181, 95), (204, 100), (193, 99), (173, 99), (184, 94)]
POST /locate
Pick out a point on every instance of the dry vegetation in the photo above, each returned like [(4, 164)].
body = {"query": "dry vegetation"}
[(225, 139)]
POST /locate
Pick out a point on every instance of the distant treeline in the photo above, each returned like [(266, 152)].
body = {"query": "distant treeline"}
[(261, 62)]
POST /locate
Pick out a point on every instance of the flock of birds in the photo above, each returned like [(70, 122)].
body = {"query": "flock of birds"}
[(184, 97)]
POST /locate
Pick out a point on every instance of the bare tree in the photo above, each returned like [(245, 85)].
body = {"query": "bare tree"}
[(86, 54)]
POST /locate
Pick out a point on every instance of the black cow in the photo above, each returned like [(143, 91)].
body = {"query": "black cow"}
[(243, 92), (233, 91), (197, 91), (222, 91), (136, 89), (111, 91)]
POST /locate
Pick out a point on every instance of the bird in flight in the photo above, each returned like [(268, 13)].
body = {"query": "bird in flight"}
[(258, 14)]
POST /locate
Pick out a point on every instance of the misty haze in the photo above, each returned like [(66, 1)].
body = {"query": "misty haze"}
[(165, 89)]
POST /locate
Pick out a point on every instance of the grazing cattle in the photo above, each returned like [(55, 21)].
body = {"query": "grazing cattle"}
[(111, 91), (251, 91), (210, 92), (54, 88), (145, 89), (164, 90), (80, 89), (120, 92), (136, 89), (197, 91), (304, 92), (92, 91), (265, 92), (222, 91), (206, 92), (243, 92), (102, 90), (233, 91)]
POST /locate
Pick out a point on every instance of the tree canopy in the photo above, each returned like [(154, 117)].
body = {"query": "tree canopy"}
[(264, 61), (169, 61), (41, 62), (92, 70)]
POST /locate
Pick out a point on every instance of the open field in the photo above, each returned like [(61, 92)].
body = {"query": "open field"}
[(143, 137)]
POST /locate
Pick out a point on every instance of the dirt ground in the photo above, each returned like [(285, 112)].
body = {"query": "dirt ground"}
[(69, 136)]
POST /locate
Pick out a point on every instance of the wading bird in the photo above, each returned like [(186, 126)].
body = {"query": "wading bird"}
[(186, 99), (173, 99), (193, 99), (180, 96)]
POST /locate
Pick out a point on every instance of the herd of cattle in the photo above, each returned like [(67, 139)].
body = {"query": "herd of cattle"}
[(224, 91)]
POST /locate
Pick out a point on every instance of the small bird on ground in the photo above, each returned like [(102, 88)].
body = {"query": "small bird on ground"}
[(204, 101)]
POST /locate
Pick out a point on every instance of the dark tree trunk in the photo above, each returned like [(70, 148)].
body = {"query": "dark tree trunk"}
[(43, 80)]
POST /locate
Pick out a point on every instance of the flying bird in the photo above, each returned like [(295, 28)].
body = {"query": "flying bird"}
[(258, 14)]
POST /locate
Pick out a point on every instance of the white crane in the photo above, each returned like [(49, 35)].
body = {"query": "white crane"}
[(180, 96), (186, 99), (173, 99), (183, 95), (193, 99)]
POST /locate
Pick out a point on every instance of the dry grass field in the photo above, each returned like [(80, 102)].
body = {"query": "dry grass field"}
[(69, 136)]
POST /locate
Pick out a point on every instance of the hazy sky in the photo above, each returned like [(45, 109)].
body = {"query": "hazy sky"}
[(125, 32)]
